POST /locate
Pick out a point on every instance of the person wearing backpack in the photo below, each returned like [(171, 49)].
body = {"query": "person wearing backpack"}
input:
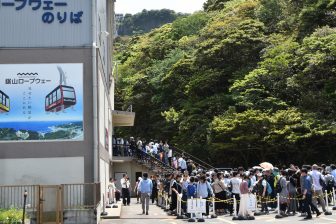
[(191, 188), (318, 184), (204, 190), (329, 179), (262, 192), (281, 187)]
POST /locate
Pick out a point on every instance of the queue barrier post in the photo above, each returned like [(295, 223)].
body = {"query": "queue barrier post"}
[(166, 202), (278, 216), (326, 200), (213, 215), (256, 204), (179, 206), (333, 196), (235, 206)]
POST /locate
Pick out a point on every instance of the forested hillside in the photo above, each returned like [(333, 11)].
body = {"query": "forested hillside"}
[(243, 81), (145, 21)]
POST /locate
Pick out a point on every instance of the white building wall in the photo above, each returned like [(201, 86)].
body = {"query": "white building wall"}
[(62, 170)]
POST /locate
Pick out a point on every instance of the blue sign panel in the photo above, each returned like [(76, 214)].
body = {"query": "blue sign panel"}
[(41, 102)]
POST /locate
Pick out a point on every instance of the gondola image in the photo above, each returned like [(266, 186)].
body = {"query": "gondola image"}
[(61, 97), (4, 103)]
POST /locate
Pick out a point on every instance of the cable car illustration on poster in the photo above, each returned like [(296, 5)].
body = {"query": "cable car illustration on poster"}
[(62, 97), (4, 103)]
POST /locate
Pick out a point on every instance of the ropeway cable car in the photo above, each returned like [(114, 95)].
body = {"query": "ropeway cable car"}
[(4, 103), (61, 97)]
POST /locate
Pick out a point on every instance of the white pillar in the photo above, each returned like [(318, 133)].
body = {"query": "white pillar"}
[(327, 201), (333, 196), (256, 204), (235, 206), (278, 199)]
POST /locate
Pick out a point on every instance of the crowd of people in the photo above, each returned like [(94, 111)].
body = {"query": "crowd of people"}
[(158, 149), (301, 190)]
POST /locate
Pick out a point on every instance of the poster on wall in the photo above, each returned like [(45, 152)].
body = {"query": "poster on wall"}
[(41, 102)]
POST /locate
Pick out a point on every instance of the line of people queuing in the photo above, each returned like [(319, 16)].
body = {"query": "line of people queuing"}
[(299, 189)]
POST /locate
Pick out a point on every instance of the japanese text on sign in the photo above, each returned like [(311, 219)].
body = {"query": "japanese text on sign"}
[(196, 206), (26, 78), (52, 10)]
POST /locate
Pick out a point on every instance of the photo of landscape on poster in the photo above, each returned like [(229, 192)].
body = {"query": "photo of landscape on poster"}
[(41, 102)]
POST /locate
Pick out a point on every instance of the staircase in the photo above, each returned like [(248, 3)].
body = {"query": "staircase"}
[(159, 167), (152, 163)]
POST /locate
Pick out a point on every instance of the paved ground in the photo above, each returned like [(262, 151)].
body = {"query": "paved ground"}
[(133, 215)]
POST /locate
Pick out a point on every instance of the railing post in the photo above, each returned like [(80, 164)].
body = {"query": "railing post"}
[(24, 205)]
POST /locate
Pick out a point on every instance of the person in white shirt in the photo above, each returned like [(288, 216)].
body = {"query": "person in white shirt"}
[(125, 190), (183, 165), (317, 177), (112, 189), (170, 156), (235, 189)]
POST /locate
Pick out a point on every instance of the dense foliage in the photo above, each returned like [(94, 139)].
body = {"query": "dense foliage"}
[(145, 21), (11, 216), (243, 82)]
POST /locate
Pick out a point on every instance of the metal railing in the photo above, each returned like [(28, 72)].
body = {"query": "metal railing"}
[(85, 196), (198, 162), (12, 196), (122, 150), (71, 203)]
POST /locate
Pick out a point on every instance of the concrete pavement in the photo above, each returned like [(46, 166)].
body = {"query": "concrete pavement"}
[(133, 215)]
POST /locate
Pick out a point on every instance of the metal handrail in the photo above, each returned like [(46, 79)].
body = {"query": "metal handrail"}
[(163, 165), (195, 159)]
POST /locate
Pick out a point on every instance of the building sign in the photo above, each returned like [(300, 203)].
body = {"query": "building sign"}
[(45, 23), (52, 10), (41, 102)]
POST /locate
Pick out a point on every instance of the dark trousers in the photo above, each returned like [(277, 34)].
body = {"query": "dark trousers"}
[(126, 196), (154, 196), (237, 196), (207, 203), (308, 203), (173, 203)]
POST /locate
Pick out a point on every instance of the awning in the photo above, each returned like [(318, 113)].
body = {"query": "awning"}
[(122, 118)]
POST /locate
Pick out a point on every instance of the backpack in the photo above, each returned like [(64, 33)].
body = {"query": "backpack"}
[(191, 190), (322, 183), (269, 189), (331, 183), (278, 187)]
